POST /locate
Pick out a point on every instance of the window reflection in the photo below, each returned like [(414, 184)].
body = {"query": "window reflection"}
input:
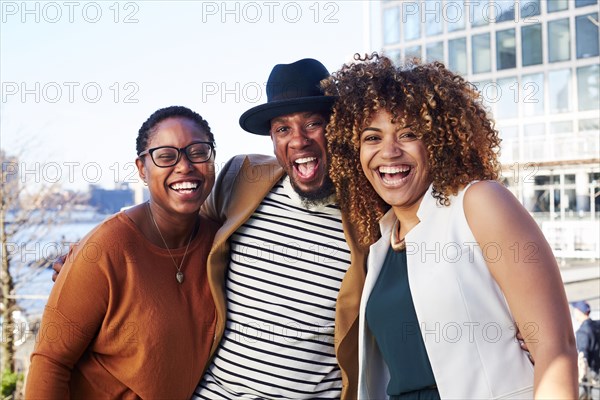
[(535, 130), (589, 125), (508, 100), (587, 87), (587, 35), (457, 55), (391, 29), (557, 5), (411, 20), (561, 127), (479, 12), (503, 10), (394, 55), (532, 87), (505, 49), (583, 3), (559, 84), (530, 8), (434, 23), (531, 42), (435, 51), (488, 91), (559, 40), (412, 51), (454, 14), (482, 55)]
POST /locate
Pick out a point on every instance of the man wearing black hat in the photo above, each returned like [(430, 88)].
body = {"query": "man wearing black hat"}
[(285, 271)]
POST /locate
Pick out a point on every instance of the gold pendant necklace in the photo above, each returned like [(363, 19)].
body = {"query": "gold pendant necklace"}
[(179, 274), (397, 244)]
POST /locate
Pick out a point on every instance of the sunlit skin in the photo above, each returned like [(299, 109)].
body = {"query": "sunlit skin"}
[(394, 160), (177, 192), (524, 267), (300, 147)]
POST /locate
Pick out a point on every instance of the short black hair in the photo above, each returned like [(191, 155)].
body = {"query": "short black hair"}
[(169, 112)]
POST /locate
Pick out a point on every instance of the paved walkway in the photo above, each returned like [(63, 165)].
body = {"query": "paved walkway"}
[(580, 273)]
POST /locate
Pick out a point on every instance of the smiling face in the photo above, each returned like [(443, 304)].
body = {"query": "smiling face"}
[(300, 147), (394, 161), (183, 187)]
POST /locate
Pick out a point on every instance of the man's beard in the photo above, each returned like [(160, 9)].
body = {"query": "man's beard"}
[(318, 197)]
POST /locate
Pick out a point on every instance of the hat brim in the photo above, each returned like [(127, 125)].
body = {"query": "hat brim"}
[(257, 120)]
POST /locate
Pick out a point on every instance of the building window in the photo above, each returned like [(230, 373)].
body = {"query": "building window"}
[(488, 91), (532, 94), (559, 85), (559, 40), (505, 49), (507, 104), (509, 132), (557, 5), (589, 125), (529, 8), (583, 3), (411, 20), (394, 55), (587, 35), (391, 25), (479, 12), (561, 127), (531, 44), (435, 51), (454, 14), (434, 22), (588, 87), (457, 55), (482, 55), (535, 130), (502, 10), (534, 138), (510, 147), (412, 51)]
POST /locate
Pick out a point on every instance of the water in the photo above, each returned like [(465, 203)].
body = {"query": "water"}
[(33, 285)]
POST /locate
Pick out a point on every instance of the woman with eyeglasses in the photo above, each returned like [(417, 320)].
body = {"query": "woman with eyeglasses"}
[(131, 314)]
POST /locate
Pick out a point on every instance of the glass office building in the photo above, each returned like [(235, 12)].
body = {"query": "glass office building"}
[(537, 66)]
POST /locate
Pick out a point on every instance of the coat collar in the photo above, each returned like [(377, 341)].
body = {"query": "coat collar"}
[(427, 206)]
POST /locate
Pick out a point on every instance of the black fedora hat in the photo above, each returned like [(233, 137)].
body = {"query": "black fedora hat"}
[(290, 88)]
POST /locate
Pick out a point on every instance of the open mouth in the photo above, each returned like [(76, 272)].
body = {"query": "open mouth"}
[(306, 167), (185, 187), (394, 175)]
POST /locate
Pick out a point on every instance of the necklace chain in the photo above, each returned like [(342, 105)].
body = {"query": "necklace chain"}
[(179, 274), (397, 244)]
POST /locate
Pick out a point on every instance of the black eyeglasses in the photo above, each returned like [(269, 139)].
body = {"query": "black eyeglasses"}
[(167, 156)]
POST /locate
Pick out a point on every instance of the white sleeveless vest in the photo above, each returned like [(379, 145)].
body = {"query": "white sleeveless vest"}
[(467, 327)]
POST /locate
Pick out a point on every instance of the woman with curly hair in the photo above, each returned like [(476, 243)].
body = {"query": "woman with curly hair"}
[(456, 263)]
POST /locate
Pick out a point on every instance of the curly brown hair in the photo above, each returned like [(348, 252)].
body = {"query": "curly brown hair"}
[(444, 111)]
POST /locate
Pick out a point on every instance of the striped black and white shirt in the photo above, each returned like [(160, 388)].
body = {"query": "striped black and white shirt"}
[(287, 265)]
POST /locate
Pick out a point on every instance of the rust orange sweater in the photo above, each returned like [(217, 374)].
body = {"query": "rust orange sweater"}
[(119, 325)]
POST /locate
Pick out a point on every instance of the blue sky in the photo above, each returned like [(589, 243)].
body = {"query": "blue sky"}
[(79, 78)]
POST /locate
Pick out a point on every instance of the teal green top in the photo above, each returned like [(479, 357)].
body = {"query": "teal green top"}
[(392, 319)]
